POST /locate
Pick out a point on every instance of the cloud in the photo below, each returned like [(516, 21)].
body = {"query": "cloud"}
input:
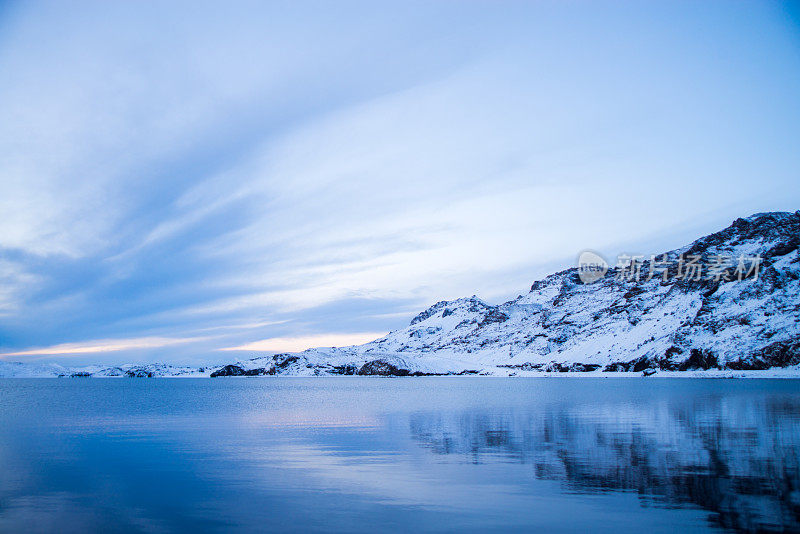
[(105, 345), (299, 343)]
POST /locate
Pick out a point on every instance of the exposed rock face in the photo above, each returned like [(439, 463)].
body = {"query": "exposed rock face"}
[(228, 370), (699, 359), (778, 354), (138, 372), (236, 370), (344, 370), (259, 371), (282, 361), (382, 368)]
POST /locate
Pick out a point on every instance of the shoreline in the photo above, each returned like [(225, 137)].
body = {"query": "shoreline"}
[(779, 374)]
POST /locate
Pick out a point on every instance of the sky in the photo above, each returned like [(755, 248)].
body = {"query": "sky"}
[(200, 182)]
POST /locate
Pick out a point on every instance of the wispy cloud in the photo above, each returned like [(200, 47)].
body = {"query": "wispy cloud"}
[(299, 343), (105, 345)]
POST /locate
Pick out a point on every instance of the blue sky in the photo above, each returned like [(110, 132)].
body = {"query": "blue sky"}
[(193, 182)]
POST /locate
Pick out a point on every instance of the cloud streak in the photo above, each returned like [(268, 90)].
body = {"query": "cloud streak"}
[(104, 346), (300, 343)]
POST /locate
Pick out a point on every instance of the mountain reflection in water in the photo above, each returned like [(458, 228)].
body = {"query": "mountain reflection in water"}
[(361, 454), (736, 457)]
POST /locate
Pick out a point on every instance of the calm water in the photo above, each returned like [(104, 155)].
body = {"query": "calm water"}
[(360, 454)]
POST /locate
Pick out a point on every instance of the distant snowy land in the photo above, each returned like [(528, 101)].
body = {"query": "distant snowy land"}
[(726, 305)]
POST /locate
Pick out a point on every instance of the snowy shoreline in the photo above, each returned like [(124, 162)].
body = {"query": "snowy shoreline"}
[(777, 373)]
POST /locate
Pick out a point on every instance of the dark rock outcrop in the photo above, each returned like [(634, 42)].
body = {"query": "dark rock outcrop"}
[(699, 359), (282, 361), (260, 371), (778, 354), (344, 370), (565, 367), (236, 370), (138, 372), (228, 370), (641, 364), (382, 367), (493, 316)]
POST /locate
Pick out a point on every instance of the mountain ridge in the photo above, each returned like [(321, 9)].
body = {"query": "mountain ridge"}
[(667, 319)]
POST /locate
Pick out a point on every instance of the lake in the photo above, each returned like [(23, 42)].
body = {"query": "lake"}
[(361, 454)]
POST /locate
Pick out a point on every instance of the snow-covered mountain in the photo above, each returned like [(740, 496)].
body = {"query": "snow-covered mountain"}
[(730, 300), (617, 323)]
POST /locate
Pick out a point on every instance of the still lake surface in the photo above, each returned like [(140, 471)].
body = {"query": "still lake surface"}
[(430, 454)]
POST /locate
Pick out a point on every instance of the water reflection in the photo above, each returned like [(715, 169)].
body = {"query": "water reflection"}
[(359, 454), (736, 457)]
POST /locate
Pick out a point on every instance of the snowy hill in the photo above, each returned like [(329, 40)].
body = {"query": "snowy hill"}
[(52, 370), (711, 319), (730, 301)]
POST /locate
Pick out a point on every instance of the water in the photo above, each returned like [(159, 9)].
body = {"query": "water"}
[(432, 454)]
